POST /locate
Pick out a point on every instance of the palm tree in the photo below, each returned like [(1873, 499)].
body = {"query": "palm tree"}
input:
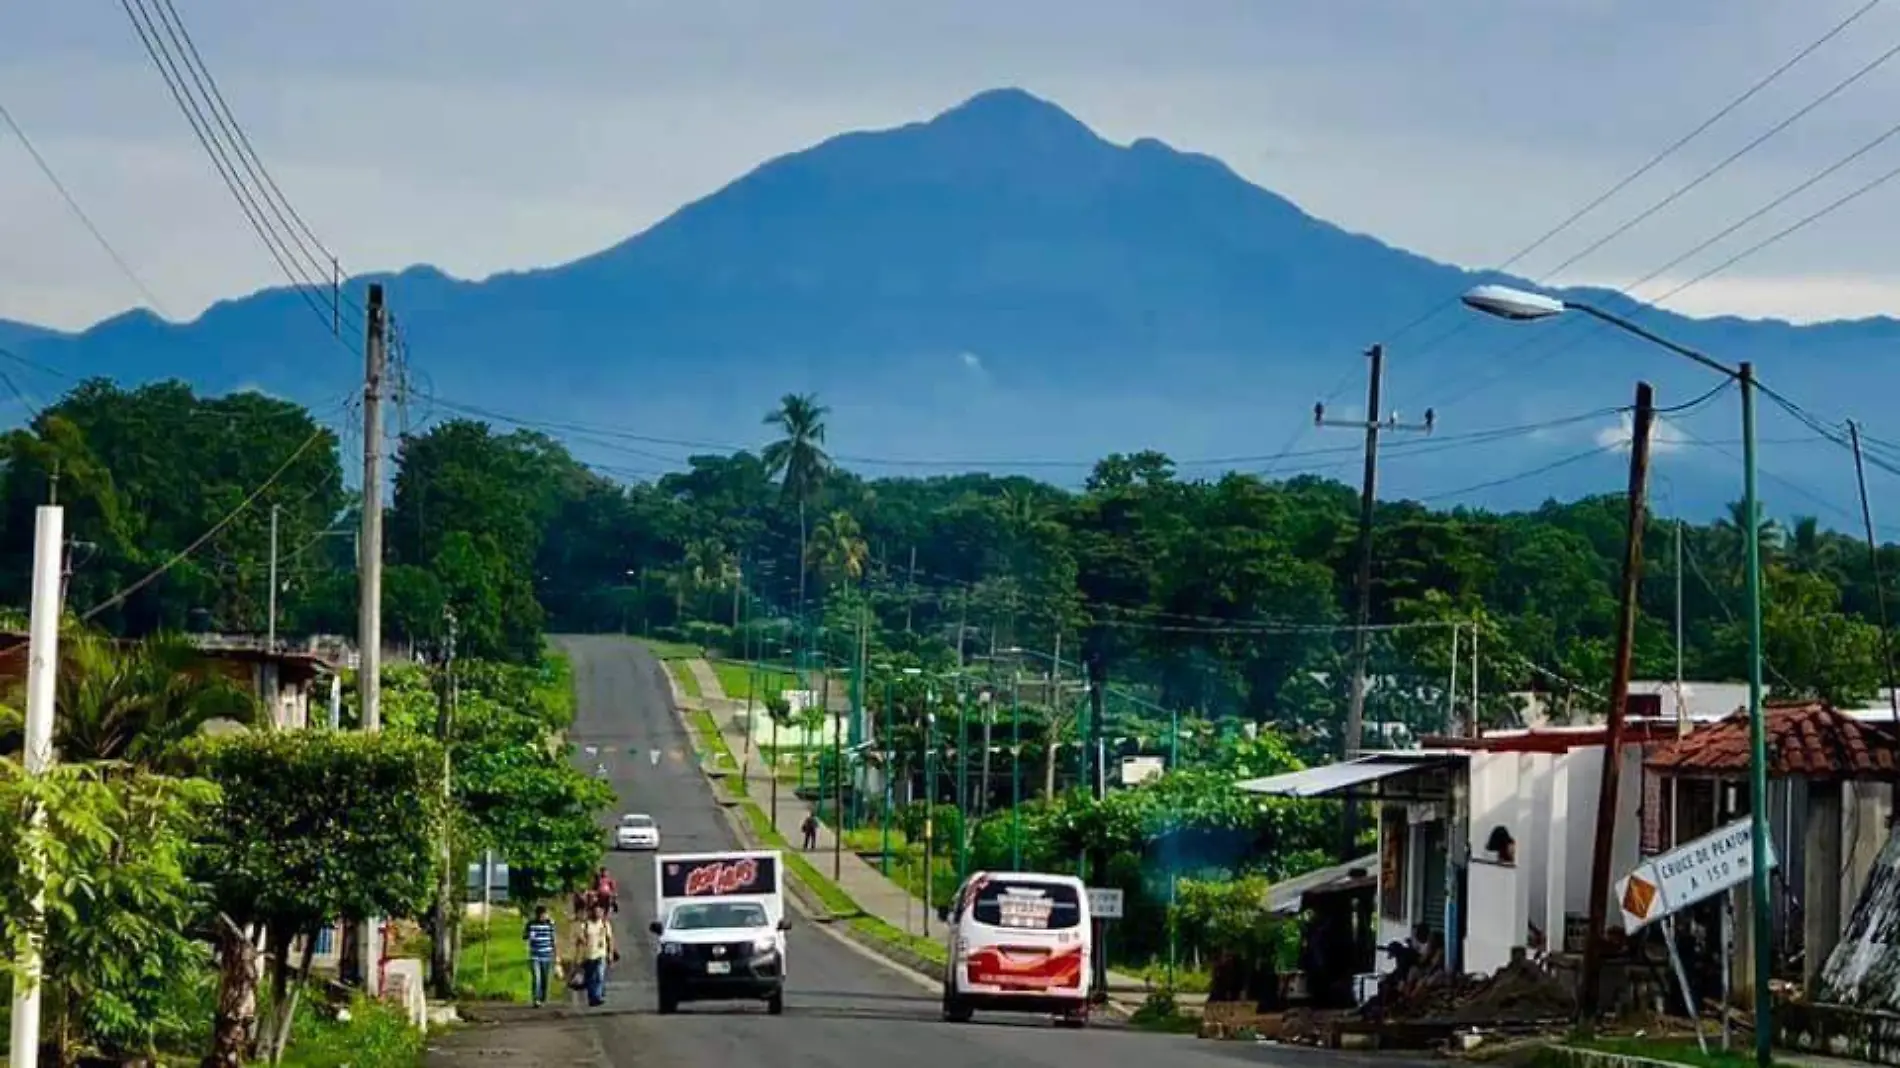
[(139, 703), (798, 461), (712, 568), (1808, 549), (837, 550)]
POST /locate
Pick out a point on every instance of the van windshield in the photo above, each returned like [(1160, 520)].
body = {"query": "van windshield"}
[(1027, 906)]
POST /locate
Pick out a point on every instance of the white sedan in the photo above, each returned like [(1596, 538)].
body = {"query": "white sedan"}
[(637, 831)]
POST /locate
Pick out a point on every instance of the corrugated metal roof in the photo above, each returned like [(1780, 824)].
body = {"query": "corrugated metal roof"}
[(1334, 778), (1284, 897)]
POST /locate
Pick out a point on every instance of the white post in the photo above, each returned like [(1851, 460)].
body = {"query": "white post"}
[(270, 634), (336, 702), (41, 673)]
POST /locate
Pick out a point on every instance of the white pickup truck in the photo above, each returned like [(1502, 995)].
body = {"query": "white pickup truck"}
[(721, 929)]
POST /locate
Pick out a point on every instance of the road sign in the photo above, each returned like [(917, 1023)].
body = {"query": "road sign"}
[(1105, 904), (1692, 872)]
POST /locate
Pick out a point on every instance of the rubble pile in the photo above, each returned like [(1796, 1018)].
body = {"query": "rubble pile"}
[(1519, 992)]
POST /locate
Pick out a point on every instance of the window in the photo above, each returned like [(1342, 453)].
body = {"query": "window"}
[(713, 916), (1027, 906)]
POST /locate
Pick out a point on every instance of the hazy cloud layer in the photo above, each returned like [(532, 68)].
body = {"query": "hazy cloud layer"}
[(485, 136)]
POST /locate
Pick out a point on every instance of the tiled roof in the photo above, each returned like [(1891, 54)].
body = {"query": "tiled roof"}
[(1805, 740)]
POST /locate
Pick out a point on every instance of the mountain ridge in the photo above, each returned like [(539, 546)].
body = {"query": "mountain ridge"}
[(951, 282)]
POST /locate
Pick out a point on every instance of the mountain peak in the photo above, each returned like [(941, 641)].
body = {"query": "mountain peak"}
[(1015, 112)]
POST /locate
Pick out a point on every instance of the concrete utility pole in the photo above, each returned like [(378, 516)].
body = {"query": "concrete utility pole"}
[(270, 632), (1600, 859), (369, 561), (442, 956), (369, 617), (1362, 583), (42, 672)]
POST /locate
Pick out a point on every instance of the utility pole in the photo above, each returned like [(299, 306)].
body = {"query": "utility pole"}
[(442, 955), (369, 618), (369, 562), (270, 626), (1362, 582), (42, 672), (1880, 584), (1589, 997), (910, 588)]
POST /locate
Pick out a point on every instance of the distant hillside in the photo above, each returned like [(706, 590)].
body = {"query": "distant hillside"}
[(1001, 283)]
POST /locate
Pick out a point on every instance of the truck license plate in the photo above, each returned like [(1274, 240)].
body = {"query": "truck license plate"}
[(717, 967)]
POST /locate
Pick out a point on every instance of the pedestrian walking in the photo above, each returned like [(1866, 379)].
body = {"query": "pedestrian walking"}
[(594, 947), (543, 957), (606, 891), (810, 829)]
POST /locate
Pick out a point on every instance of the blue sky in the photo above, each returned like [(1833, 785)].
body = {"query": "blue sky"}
[(483, 136)]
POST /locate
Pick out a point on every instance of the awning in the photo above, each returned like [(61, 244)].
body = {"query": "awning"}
[(1332, 779), (1283, 898)]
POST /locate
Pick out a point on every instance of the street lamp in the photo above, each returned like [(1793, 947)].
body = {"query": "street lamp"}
[(1517, 305)]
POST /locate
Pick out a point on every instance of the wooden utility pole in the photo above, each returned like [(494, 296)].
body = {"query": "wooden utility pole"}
[(910, 588), (1589, 998), (1372, 424), (1880, 590)]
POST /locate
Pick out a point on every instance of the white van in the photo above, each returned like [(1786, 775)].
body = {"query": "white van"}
[(1019, 942)]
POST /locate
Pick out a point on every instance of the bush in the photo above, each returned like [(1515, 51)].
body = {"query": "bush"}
[(709, 635)]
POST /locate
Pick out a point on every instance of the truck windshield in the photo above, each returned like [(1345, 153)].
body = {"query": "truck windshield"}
[(717, 915), (1027, 906)]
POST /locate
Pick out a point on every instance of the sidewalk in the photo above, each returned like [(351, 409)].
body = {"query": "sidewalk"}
[(708, 679), (882, 898)]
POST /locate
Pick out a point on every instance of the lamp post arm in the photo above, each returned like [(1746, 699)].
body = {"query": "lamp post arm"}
[(1653, 338)]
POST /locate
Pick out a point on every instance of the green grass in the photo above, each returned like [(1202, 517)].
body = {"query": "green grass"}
[(683, 672), (1186, 980), (708, 741), (375, 1036), (1676, 1051), (507, 978), (673, 650), (736, 679)]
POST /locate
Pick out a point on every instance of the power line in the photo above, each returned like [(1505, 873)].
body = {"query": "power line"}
[(178, 557), (1654, 161), (280, 247), (72, 204)]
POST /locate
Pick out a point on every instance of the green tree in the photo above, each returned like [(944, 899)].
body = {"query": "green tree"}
[(106, 860), (799, 461), (312, 826)]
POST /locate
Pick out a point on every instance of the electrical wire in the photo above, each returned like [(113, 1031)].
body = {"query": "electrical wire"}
[(1653, 162), (152, 36), (181, 555), (72, 205)]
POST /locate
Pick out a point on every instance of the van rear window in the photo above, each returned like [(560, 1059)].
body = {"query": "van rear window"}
[(1027, 906)]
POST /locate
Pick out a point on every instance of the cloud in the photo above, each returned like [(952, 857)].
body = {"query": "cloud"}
[(554, 136), (1664, 437), (972, 361)]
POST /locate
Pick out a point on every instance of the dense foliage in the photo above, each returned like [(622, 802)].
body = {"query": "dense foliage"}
[(1225, 594)]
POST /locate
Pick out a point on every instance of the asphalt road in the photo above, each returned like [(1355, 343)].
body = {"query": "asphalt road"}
[(843, 1008)]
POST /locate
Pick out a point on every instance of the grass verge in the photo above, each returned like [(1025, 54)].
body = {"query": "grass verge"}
[(673, 650), (707, 740), (506, 977), (736, 678), (1674, 1050), (376, 1035), (683, 674)]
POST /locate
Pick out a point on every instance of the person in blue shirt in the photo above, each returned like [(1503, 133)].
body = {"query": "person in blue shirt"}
[(543, 959)]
